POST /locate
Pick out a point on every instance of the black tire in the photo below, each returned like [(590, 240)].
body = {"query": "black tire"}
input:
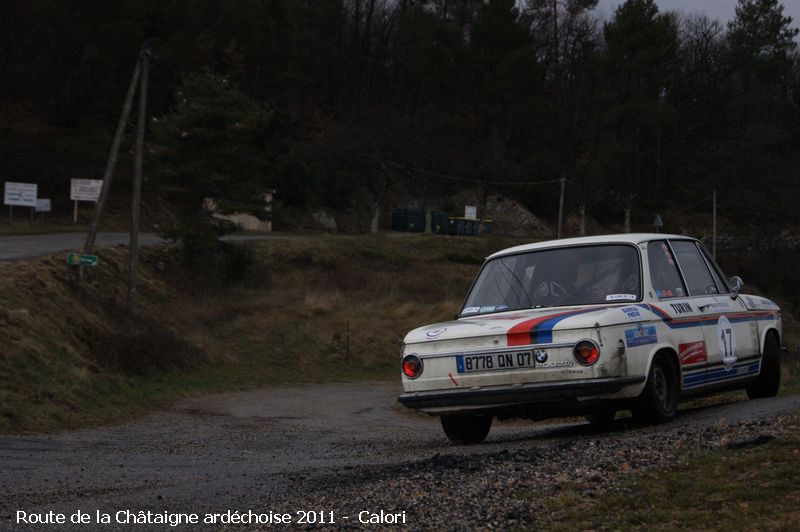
[(659, 400), (466, 429), (602, 418), (769, 380)]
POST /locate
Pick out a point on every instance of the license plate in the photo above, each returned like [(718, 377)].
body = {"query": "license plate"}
[(494, 361)]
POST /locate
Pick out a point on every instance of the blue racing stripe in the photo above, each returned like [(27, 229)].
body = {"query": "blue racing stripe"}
[(721, 374), (542, 333)]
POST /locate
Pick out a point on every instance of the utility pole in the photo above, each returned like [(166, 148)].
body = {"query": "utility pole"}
[(133, 296), (714, 226), (563, 182), (108, 175)]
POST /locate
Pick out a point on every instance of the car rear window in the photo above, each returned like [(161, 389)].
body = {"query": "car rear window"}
[(580, 275)]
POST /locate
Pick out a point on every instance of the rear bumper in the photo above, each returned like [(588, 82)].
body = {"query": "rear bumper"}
[(515, 394)]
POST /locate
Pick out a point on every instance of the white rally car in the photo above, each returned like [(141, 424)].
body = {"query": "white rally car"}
[(590, 326)]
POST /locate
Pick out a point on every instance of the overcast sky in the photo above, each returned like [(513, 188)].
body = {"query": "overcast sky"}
[(724, 10)]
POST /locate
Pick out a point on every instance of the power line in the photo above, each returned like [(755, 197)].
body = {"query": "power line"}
[(690, 207), (448, 176)]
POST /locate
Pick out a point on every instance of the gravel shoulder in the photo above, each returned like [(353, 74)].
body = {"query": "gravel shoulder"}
[(345, 448)]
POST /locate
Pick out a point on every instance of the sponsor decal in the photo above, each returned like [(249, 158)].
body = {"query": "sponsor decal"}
[(665, 293), (641, 336), (682, 308), (726, 341), (501, 307), (692, 353), (621, 297), (433, 333), (487, 309), (632, 313), (471, 310)]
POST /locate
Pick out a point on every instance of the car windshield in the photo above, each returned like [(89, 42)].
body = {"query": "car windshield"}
[(581, 275)]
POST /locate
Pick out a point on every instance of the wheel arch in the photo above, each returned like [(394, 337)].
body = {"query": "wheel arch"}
[(766, 332), (672, 354)]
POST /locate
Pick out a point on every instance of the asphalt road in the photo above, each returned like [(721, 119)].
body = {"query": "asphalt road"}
[(291, 448), (23, 247)]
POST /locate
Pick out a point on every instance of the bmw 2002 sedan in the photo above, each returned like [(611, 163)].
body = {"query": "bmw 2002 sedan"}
[(590, 326)]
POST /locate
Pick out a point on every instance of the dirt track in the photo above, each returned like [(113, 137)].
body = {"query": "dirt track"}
[(279, 446)]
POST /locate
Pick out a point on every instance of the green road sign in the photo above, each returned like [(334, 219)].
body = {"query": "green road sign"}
[(79, 259)]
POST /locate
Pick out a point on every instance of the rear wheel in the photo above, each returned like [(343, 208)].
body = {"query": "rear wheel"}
[(769, 380), (466, 429), (659, 400)]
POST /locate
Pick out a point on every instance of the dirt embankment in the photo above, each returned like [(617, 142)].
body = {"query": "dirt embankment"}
[(312, 309)]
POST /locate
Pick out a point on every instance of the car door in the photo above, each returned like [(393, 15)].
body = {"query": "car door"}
[(679, 311), (727, 329)]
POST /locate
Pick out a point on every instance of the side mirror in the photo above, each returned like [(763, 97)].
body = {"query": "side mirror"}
[(736, 285)]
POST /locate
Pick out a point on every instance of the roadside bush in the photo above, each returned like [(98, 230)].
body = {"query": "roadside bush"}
[(141, 347), (236, 261)]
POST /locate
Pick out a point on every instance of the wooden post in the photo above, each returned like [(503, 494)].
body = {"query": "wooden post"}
[(714, 226), (133, 296), (111, 163), (75, 212), (561, 208)]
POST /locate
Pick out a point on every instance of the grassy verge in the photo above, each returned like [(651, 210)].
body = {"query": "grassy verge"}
[(315, 309), (752, 488)]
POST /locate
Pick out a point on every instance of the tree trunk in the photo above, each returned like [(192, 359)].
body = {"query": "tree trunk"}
[(628, 218), (376, 214)]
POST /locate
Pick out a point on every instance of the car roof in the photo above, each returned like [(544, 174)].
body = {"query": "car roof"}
[(626, 238)]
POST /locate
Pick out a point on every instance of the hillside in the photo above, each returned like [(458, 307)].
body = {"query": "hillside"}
[(311, 309)]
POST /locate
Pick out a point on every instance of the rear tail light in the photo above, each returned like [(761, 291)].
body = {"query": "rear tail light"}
[(412, 366), (586, 352)]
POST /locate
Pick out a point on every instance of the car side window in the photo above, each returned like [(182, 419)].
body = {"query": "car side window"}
[(719, 278), (664, 275), (695, 271)]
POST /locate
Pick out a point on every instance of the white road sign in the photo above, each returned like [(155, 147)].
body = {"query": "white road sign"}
[(42, 204), (21, 194), (471, 212), (85, 189)]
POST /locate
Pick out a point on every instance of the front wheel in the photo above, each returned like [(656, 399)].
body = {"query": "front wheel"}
[(659, 400), (769, 380), (466, 429)]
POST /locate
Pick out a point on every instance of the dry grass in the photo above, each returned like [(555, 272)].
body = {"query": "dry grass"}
[(756, 488), (312, 309)]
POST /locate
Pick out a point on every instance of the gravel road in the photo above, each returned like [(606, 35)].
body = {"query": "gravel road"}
[(341, 448)]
